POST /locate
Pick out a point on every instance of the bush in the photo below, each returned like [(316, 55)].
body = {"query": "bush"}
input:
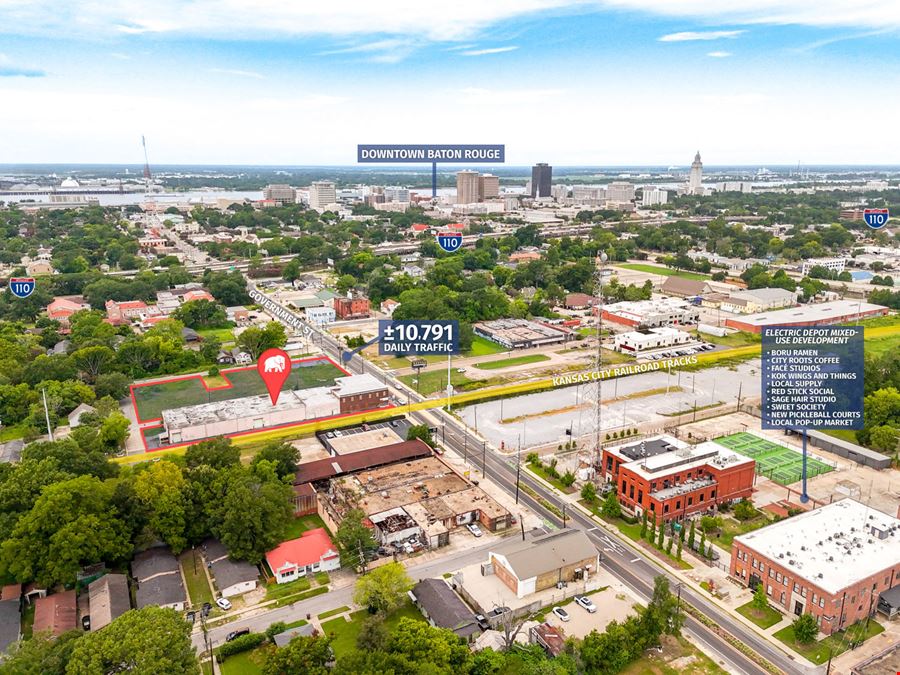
[(242, 644), (532, 458), (214, 371), (744, 510), (568, 479), (710, 523), (275, 629), (805, 629)]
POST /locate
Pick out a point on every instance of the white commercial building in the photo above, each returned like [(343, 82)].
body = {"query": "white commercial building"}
[(759, 300), (620, 191), (654, 196), (652, 313), (322, 194), (396, 194), (319, 316), (637, 341), (833, 264)]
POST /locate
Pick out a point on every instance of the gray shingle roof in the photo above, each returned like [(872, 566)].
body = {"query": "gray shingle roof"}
[(550, 552), (443, 606)]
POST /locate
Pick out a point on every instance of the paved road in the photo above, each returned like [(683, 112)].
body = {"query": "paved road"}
[(634, 569)]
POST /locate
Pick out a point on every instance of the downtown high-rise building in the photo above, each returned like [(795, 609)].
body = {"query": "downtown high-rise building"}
[(541, 176), (696, 178), (321, 194), (488, 186), (467, 183), (283, 194)]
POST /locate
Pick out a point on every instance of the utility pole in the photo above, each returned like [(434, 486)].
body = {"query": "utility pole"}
[(518, 468), (47, 415), (483, 458)]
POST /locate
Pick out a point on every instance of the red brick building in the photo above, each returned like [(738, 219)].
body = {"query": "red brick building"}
[(351, 308), (671, 480), (357, 393), (831, 562)]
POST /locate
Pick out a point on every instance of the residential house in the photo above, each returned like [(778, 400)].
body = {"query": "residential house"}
[(443, 608), (388, 306), (10, 615), (75, 415), (413, 271), (61, 347), (240, 315), (311, 552), (120, 313), (109, 599), (579, 301), (233, 577), (55, 613), (240, 357), (65, 306), (39, 268), (304, 499), (158, 577), (282, 639), (549, 637)]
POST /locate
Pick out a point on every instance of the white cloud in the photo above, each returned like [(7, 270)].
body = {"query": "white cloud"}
[(719, 54), (490, 50), (10, 69), (688, 36), (390, 50), (238, 73)]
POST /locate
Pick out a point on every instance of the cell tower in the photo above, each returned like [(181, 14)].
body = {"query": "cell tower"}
[(147, 175), (594, 393)]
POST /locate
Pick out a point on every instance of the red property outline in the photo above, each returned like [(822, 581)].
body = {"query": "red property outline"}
[(157, 422)]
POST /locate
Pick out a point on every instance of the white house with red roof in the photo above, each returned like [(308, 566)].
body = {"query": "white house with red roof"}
[(118, 313), (420, 228), (311, 552), (388, 306)]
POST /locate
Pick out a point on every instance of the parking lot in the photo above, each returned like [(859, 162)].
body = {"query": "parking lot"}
[(364, 437), (672, 352), (611, 604)]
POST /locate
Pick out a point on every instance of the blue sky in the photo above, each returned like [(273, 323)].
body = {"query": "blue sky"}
[(605, 82)]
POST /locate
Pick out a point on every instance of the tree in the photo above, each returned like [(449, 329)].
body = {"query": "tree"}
[(423, 644), (72, 524), (611, 507), (805, 629), (114, 385), (651, 533), (43, 654), (308, 655), (884, 438), (659, 540), (93, 360), (201, 314), (373, 634), (588, 492), (669, 545), (354, 539), (744, 510), (383, 589), (421, 431), (283, 455), (160, 488), (680, 543), (760, 601), (114, 431), (644, 525), (255, 340), (663, 614), (567, 479), (141, 641), (253, 512), (218, 453), (690, 542), (710, 523)]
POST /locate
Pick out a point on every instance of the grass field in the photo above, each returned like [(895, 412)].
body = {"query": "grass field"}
[(514, 361), (301, 524), (739, 339), (781, 464), (482, 347), (732, 528), (152, 399), (664, 271), (345, 632), (765, 618), (195, 577), (836, 643), (540, 470), (690, 661), (223, 335)]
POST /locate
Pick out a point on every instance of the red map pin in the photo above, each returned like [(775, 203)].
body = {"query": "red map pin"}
[(274, 367)]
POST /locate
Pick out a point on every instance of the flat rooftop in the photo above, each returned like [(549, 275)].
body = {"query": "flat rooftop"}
[(688, 457), (248, 406), (826, 311), (831, 547), (649, 447), (520, 330), (357, 384)]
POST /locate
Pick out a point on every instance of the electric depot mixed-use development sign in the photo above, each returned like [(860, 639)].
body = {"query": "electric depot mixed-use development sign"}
[(418, 338), (812, 377)]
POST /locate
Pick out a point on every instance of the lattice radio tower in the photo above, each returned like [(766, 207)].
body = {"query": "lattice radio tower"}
[(594, 394)]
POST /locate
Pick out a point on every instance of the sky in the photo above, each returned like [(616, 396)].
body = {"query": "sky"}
[(568, 82)]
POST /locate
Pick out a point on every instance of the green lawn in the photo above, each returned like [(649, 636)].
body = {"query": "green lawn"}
[(765, 618), (837, 643), (731, 528), (333, 612), (514, 361), (223, 335), (27, 621), (301, 524), (246, 663), (322, 578), (660, 664), (436, 380), (345, 632), (664, 271), (195, 577), (152, 399), (11, 433), (275, 590), (739, 339), (555, 482), (482, 346)]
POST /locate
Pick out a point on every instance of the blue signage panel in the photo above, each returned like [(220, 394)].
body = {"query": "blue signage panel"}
[(876, 218), (428, 154), (449, 241), (400, 338), (21, 287), (812, 377)]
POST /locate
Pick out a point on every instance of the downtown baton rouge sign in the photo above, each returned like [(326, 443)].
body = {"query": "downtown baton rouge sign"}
[(430, 154)]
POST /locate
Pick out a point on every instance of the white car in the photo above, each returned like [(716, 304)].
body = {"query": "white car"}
[(460, 370), (224, 603), (561, 613), (474, 529), (586, 603)]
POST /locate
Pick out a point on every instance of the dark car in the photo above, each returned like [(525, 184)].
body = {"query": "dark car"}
[(235, 634)]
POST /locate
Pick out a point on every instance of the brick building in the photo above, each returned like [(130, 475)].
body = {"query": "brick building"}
[(357, 393), (831, 562), (672, 480), (351, 308)]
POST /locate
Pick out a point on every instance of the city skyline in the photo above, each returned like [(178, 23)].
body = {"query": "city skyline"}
[(637, 82)]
